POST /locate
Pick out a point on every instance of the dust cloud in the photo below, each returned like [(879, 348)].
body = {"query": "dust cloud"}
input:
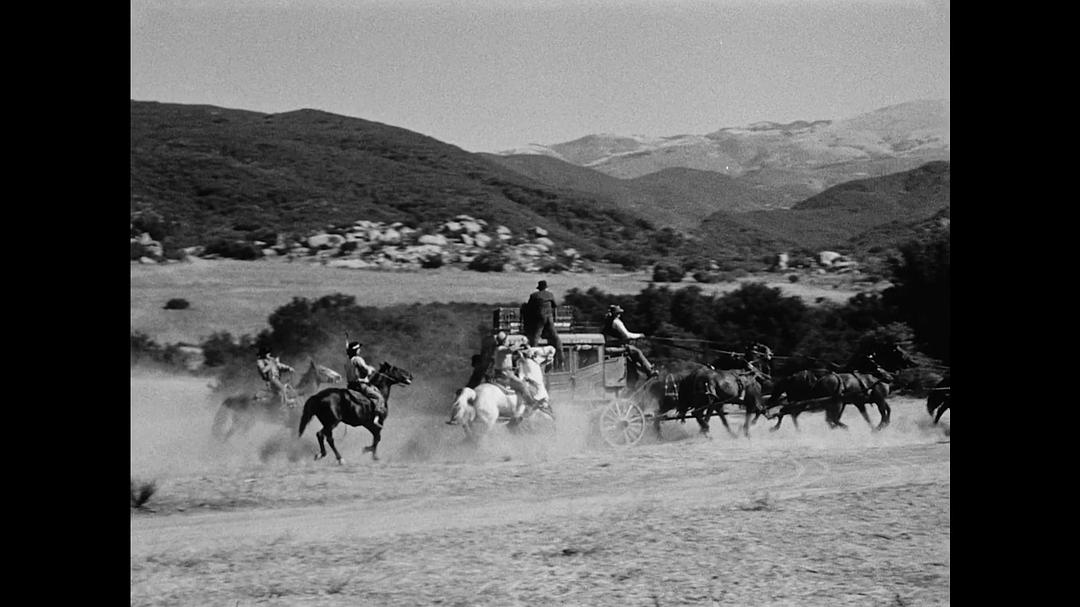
[(172, 416)]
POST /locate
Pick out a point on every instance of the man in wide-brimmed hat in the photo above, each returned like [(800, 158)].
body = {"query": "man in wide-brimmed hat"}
[(617, 336), (538, 319)]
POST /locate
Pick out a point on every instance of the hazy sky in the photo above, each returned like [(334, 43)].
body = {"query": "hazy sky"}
[(489, 75)]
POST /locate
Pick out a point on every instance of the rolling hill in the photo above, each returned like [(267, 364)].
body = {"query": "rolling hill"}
[(222, 173)]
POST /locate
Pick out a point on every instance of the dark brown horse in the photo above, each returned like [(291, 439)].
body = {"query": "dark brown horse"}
[(868, 382), (238, 413), (703, 392), (333, 406), (807, 390), (940, 398), (826, 387)]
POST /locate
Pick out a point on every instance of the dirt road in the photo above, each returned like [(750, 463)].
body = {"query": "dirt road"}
[(815, 517)]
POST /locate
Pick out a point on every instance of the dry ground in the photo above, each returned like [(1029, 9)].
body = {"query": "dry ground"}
[(815, 517), (238, 296)]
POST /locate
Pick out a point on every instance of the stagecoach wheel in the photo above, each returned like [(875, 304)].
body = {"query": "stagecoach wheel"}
[(622, 423)]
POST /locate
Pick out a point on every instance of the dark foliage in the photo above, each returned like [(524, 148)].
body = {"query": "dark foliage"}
[(177, 303), (921, 294)]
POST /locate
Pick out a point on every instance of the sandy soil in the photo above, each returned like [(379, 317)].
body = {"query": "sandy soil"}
[(238, 296), (810, 517)]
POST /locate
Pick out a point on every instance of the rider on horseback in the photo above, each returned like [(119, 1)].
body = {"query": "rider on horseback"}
[(504, 372), (358, 374), (270, 369)]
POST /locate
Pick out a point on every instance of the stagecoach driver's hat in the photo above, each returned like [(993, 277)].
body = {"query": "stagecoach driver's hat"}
[(353, 347), (614, 309), (541, 285), (263, 351)]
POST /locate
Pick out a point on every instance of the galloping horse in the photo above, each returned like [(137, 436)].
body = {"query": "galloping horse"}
[(478, 409), (825, 387), (239, 413), (940, 398), (333, 406), (704, 391), (867, 381)]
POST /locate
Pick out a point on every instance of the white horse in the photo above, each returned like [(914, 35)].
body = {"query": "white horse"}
[(478, 409)]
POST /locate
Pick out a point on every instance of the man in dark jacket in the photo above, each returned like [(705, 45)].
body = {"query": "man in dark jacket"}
[(539, 320)]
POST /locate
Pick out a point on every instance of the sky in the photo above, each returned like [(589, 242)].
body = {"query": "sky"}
[(494, 75)]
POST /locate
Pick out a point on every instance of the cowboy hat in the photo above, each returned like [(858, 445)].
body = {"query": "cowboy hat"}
[(542, 284), (615, 309)]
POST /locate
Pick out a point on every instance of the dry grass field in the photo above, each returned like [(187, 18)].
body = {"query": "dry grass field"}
[(794, 517), (808, 517), (238, 296)]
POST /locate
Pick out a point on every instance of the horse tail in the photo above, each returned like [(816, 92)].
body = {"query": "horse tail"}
[(305, 417)]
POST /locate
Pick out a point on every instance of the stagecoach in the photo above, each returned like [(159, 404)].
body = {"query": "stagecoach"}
[(592, 376)]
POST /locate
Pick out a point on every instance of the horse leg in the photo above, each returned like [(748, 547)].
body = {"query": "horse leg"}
[(376, 434), (328, 433), (832, 414), (941, 410), (656, 428), (862, 411), (701, 414), (885, 411), (322, 445), (719, 408)]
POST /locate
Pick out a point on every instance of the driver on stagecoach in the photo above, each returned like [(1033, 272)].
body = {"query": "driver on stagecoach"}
[(618, 336), (504, 372), (358, 376), (270, 369)]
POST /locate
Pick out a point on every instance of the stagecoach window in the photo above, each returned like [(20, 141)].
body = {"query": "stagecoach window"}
[(588, 356)]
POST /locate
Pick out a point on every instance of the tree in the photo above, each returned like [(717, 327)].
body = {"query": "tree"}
[(921, 291)]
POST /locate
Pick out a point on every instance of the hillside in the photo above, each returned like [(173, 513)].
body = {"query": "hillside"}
[(677, 197), (862, 216), (221, 173)]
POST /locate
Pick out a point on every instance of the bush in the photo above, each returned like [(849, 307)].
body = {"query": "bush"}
[(138, 251), (629, 260), (492, 261), (233, 249), (433, 261), (667, 272), (177, 303), (141, 492)]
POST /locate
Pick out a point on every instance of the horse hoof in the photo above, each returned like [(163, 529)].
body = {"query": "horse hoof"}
[(341, 462)]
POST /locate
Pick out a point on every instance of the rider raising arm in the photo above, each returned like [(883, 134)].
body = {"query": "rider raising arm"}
[(270, 369)]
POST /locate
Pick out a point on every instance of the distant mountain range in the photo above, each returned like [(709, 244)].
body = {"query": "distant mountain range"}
[(223, 173), (784, 163)]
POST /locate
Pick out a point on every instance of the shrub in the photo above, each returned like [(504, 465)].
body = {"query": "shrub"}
[(667, 272), (138, 251), (706, 277), (233, 249), (433, 261), (141, 492), (177, 303), (629, 260), (491, 261)]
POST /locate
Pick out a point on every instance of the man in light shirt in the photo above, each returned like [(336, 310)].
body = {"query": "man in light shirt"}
[(616, 335)]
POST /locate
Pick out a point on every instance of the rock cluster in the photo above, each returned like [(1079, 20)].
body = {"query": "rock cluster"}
[(463, 240)]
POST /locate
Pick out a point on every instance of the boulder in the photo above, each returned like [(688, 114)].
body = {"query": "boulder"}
[(826, 258), (390, 236), (538, 231), (452, 226), (147, 260), (481, 239), (433, 239), (325, 241), (471, 227)]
